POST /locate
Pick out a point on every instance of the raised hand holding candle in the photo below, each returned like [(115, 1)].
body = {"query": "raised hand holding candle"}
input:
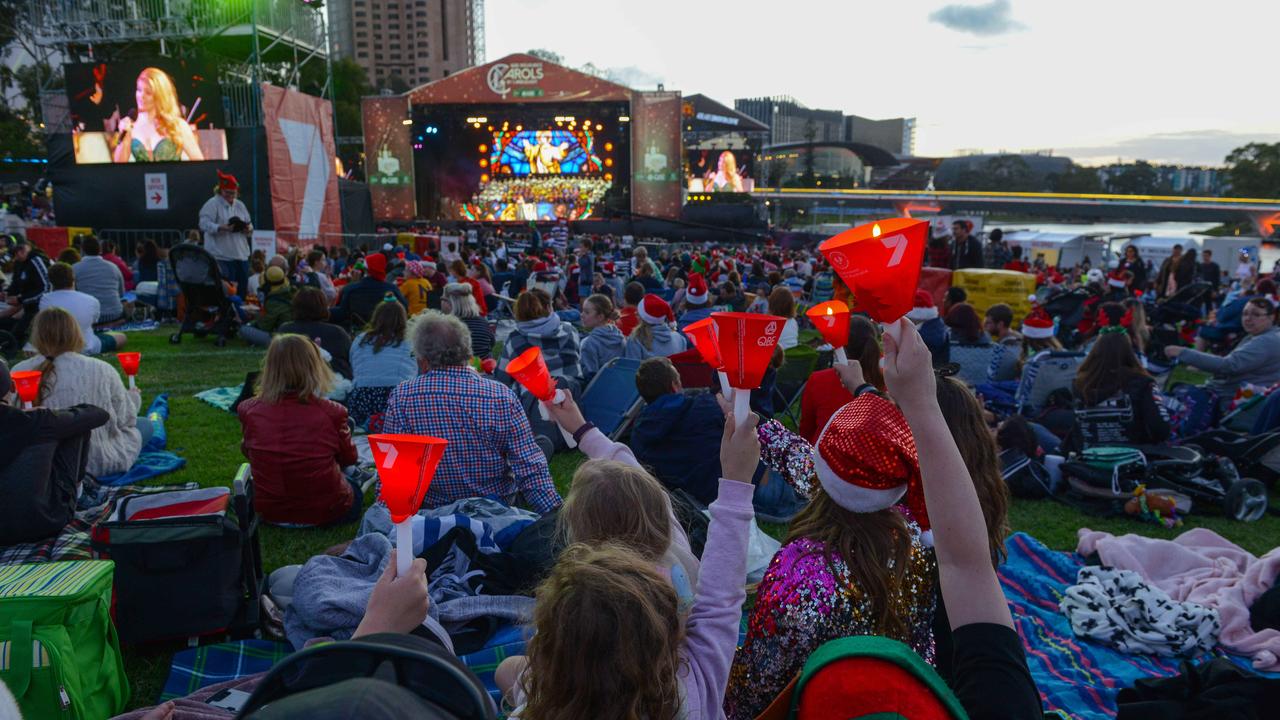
[(530, 370), (27, 383), (880, 262), (703, 336), (129, 363), (405, 464), (831, 318), (746, 342)]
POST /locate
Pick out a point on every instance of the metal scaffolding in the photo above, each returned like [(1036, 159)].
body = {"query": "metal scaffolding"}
[(475, 23)]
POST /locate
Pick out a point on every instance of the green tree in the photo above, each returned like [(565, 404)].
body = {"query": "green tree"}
[(1254, 170), (1139, 178), (547, 55), (17, 137), (1001, 173), (350, 84), (395, 84), (1076, 180)]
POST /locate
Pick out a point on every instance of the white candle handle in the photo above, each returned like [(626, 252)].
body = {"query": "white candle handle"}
[(841, 357), (131, 384), (28, 405), (893, 330), (741, 406), (546, 415), (404, 546), (725, 388)]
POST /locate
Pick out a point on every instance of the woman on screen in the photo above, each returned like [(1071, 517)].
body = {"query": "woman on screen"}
[(160, 134), (726, 176)]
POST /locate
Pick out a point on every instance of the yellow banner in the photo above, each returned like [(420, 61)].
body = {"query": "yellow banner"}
[(991, 287)]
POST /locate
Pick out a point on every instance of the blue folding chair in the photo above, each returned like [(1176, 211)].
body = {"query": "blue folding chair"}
[(974, 361), (611, 402)]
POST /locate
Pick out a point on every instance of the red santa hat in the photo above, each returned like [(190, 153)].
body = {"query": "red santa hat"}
[(227, 181), (376, 264), (697, 293), (1037, 325), (924, 308), (1117, 278), (654, 310), (540, 266), (865, 459)]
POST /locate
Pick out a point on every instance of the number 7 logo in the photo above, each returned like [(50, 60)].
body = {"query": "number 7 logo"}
[(899, 244)]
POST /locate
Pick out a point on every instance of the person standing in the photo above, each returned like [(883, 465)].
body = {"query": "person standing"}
[(1210, 272), (967, 252), (1166, 269), (996, 254), (225, 222)]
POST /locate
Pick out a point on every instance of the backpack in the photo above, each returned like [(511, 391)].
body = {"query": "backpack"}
[(59, 654), (1025, 477)]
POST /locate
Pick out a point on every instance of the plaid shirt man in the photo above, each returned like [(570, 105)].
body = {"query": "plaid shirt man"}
[(491, 452)]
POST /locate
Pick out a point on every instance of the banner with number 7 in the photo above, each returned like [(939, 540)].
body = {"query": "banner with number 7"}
[(880, 262)]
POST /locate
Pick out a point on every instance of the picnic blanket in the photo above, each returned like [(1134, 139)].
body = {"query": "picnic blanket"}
[(136, 326), (154, 460), (224, 397), (73, 542), (201, 667), (1073, 675)]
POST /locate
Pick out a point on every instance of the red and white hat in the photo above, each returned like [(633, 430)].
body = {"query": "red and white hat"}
[(1037, 325), (1117, 278), (697, 293), (865, 459), (924, 308), (654, 310), (227, 181)]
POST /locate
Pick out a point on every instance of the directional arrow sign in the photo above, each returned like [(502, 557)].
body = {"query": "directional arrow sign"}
[(156, 191)]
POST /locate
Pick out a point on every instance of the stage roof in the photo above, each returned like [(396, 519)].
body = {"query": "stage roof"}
[(707, 114), (518, 78)]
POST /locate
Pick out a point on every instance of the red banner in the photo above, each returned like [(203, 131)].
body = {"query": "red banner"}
[(388, 157), (300, 152), (519, 78), (655, 154)]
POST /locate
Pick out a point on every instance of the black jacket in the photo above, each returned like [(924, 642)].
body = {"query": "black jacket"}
[(1132, 416), (31, 278), (21, 428), (357, 303), (968, 254)]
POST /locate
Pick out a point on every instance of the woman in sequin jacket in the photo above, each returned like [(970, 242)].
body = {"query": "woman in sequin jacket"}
[(854, 562)]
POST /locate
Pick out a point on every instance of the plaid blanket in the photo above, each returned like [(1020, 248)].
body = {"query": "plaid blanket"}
[(73, 542), (1075, 676), (212, 664)]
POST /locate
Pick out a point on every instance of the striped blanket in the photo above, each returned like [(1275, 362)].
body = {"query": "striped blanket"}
[(1076, 676)]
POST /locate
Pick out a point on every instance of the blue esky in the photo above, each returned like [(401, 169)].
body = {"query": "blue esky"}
[(1095, 80)]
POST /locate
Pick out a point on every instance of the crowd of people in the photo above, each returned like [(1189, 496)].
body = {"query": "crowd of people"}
[(893, 480)]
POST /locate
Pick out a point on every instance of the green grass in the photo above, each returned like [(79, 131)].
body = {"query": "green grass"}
[(210, 441)]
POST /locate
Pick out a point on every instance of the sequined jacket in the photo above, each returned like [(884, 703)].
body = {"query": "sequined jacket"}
[(807, 598)]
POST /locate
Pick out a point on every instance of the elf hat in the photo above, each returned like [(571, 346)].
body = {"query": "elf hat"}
[(1038, 325), (924, 308), (866, 459), (654, 310), (227, 181), (697, 293)]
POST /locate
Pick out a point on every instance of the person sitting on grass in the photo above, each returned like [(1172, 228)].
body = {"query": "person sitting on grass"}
[(100, 278), (628, 317), (654, 336), (277, 308), (83, 307), (70, 379), (311, 318), (381, 359), (1119, 400), (460, 302), (359, 299), (604, 341), (416, 288), (297, 442), (537, 325), (672, 431), (1253, 361), (492, 451)]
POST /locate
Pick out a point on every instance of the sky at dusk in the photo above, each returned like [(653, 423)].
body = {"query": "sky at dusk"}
[(1090, 79)]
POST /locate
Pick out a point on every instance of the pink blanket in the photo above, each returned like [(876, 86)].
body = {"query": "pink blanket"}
[(1201, 566)]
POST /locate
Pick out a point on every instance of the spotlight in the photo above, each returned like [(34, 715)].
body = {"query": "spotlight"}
[(483, 148), (406, 122), (624, 118), (599, 127), (608, 146)]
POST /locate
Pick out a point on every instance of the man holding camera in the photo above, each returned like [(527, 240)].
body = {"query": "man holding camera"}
[(224, 220)]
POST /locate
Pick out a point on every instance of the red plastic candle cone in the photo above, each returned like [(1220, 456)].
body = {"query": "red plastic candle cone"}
[(880, 262), (831, 318), (703, 336), (129, 363), (27, 383), (405, 465), (530, 370), (746, 342)]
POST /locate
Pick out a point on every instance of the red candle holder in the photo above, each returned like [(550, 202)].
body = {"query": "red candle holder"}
[(530, 370), (27, 383), (405, 465), (746, 342), (880, 262), (129, 364), (831, 318)]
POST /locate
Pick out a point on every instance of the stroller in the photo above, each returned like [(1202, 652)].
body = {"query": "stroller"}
[(1069, 308), (208, 307), (1181, 308), (1255, 456)]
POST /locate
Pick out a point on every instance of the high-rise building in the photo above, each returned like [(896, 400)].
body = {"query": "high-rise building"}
[(416, 41), (897, 135), (789, 121)]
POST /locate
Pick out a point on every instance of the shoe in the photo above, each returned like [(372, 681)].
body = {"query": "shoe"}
[(544, 443)]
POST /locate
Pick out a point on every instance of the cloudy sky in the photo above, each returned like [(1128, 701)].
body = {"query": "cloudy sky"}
[(1095, 80)]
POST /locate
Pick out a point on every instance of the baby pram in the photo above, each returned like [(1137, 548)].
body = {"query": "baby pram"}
[(1165, 316), (208, 308)]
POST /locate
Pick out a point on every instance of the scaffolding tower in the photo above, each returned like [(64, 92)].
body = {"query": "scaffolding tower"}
[(253, 40)]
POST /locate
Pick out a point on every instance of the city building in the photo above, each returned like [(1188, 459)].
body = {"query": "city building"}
[(1175, 179), (789, 121), (416, 41), (897, 135)]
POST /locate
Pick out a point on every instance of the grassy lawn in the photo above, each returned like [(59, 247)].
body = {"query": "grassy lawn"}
[(210, 441)]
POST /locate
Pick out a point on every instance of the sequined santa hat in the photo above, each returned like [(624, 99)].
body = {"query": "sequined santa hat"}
[(697, 292), (865, 459), (654, 310), (1037, 325)]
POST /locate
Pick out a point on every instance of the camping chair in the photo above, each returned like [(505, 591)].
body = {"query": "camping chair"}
[(791, 379), (694, 372), (974, 361), (1055, 371), (611, 402)]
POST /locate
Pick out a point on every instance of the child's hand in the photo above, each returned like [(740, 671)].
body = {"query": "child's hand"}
[(566, 414), (397, 604), (908, 369), (850, 375), (740, 446)]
